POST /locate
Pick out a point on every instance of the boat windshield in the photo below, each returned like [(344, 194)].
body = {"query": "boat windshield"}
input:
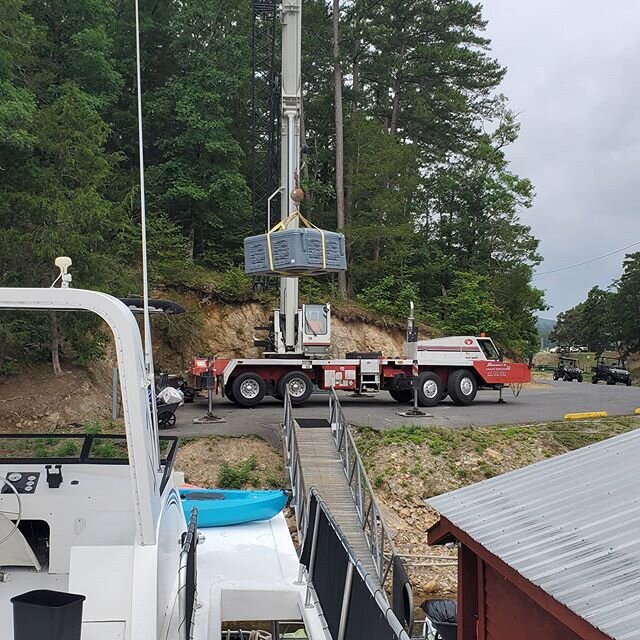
[(78, 448)]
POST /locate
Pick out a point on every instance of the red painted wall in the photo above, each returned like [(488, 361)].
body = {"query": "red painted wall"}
[(512, 615)]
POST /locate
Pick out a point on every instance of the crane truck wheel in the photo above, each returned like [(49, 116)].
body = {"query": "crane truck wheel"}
[(430, 389), (401, 395), (248, 389), (228, 392), (297, 384), (462, 387)]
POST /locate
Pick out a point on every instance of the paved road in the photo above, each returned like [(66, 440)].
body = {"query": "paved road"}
[(545, 401)]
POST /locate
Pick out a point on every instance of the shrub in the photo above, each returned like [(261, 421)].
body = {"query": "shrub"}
[(236, 476)]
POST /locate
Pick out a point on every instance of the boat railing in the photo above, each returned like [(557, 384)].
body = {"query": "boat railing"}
[(379, 538), (299, 494), (187, 579)]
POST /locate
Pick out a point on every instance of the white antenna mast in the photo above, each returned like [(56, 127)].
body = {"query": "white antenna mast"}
[(148, 352)]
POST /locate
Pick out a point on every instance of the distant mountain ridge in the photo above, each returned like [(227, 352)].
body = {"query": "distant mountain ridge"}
[(545, 326)]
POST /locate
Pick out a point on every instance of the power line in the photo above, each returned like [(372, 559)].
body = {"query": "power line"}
[(580, 264)]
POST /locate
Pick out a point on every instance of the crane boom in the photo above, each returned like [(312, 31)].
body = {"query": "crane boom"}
[(291, 105)]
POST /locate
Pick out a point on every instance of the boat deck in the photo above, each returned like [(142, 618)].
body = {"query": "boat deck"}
[(23, 579), (249, 572), (322, 468)]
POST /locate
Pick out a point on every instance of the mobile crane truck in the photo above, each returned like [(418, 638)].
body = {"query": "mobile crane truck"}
[(296, 353)]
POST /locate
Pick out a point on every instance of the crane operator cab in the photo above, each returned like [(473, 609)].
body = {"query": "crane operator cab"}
[(313, 332)]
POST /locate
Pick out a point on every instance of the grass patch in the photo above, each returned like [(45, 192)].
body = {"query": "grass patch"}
[(432, 460), (237, 476)]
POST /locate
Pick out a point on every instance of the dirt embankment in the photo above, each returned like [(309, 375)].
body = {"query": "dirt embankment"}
[(35, 400), (228, 331), (406, 466)]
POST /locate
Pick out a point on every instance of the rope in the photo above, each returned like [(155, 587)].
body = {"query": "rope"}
[(148, 353), (283, 225)]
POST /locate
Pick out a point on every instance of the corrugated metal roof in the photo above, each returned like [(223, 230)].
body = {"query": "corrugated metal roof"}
[(570, 525)]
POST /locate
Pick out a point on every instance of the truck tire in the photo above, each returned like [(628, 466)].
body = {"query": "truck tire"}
[(430, 389), (299, 385), (401, 395), (566, 377), (628, 382), (228, 392), (594, 380), (580, 378), (610, 380), (248, 389), (462, 387)]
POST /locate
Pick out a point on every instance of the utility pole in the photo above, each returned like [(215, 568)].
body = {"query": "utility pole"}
[(290, 147), (337, 79)]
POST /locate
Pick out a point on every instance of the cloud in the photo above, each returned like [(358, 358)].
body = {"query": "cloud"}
[(573, 78)]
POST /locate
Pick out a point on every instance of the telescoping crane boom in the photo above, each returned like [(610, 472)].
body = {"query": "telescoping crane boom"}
[(294, 330)]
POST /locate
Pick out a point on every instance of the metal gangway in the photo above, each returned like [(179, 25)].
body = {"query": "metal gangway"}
[(321, 455)]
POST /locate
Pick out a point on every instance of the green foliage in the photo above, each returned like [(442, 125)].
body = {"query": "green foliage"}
[(236, 286), (431, 202), (470, 308), (238, 476), (390, 296), (66, 449), (606, 320)]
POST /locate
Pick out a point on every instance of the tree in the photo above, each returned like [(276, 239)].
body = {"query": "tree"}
[(469, 308), (626, 306), (568, 330), (339, 119), (198, 176)]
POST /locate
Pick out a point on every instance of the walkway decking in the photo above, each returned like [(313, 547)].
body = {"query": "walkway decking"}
[(322, 468)]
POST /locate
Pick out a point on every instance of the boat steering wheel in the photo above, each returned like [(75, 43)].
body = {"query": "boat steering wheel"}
[(11, 515)]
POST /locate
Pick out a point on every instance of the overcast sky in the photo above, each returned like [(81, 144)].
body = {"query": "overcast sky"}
[(573, 76)]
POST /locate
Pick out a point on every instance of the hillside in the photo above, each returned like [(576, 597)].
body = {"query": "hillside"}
[(33, 399)]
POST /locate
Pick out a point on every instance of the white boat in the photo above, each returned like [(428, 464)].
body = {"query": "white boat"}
[(113, 529)]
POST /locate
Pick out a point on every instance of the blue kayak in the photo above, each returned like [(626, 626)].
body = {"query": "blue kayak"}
[(222, 507)]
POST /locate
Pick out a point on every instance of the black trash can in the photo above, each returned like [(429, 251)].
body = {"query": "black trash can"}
[(54, 615), (444, 616)]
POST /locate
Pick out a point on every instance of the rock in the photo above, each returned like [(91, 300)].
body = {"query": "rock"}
[(494, 455), (430, 587)]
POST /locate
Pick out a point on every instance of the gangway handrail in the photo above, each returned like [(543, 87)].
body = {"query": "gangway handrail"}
[(355, 565), (292, 461), (381, 544)]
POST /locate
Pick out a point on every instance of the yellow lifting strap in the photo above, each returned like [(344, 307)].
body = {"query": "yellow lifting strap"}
[(284, 224)]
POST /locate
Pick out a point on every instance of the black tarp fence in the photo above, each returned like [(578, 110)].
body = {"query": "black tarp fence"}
[(352, 604)]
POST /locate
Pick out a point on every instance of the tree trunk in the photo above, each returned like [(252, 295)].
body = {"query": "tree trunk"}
[(55, 345), (351, 160), (337, 77), (397, 87)]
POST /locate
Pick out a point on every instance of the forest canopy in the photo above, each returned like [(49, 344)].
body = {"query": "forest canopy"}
[(431, 207)]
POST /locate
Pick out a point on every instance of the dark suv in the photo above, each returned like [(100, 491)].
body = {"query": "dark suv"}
[(567, 370), (612, 371)]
